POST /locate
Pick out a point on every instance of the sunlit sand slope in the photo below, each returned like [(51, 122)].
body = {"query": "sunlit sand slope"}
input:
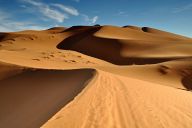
[(120, 102)]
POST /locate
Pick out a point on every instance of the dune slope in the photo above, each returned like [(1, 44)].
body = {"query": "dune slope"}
[(30, 98), (120, 102), (125, 47)]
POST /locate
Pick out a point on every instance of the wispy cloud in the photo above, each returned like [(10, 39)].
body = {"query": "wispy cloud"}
[(183, 8), (90, 20), (76, 0), (47, 11), (7, 24), (11, 25), (3, 15), (121, 13), (95, 18), (67, 9), (23, 6)]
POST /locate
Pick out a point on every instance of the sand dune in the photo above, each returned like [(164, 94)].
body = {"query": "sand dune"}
[(143, 78), (7, 70), (163, 33), (153, 31), (133, 32), (58, 28), (138, 48), (29, 99), (133, 27), (116, 101)]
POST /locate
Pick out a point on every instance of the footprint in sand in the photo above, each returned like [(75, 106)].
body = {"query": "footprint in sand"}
[(46, 57), (51, 55), (31, 38), (36, 59), (70, 61), (89, 62), (163, 69), (65, 61), (43, 53), (73, 61)]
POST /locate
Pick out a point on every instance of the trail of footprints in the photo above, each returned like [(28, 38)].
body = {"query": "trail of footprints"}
[(66, 57)]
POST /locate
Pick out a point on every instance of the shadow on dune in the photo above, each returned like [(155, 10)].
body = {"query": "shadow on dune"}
[(85, 42), (82, 29), (29, 99), (187, 82), (2, 36)]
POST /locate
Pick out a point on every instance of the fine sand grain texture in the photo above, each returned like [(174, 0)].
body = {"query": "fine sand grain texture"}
[(95, 77)]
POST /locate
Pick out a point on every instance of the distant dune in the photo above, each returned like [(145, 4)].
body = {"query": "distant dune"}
[(124, 46), (95, 76)]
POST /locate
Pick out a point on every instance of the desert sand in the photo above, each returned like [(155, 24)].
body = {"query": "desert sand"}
[(95, 77)]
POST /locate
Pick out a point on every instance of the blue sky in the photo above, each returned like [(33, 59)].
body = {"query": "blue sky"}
[(170, 15)]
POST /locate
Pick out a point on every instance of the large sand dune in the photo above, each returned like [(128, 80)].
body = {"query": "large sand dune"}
[(126, 46), (119, 102), (143, 78)]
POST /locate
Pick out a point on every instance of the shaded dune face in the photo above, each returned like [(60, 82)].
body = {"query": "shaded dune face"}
[(181, 68), (2, 36), (186, 79), (78, 28), (84, 41), (133, 27), (9, 36), (29, 99), (187, 82), (57, 28)]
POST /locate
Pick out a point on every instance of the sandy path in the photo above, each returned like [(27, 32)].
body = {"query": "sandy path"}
[(28, 100), (112, 101)]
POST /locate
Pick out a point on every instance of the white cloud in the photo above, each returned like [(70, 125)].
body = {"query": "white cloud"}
[(67, 9), (35, 3), (47, 11), (90, 20), (121, 12), (183, 8), (7, 24), (95, 18), (53, 14), (10, 26), (5, 29)]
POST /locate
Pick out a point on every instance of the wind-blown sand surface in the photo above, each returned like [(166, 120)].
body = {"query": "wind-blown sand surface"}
[(95, 76)]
